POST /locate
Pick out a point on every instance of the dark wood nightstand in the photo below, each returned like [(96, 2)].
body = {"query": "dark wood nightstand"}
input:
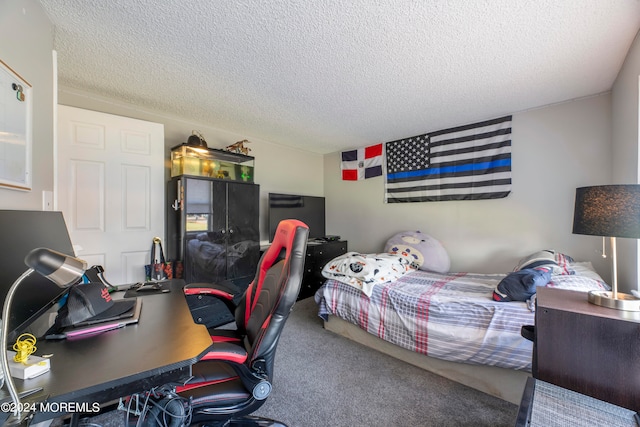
[(587, 348)]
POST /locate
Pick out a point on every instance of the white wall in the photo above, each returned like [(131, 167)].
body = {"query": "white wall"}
[(26, 44), (554, 150), (624, 112), (277, 168)]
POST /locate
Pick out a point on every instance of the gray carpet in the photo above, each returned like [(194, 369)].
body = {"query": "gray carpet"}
[(322, 379)]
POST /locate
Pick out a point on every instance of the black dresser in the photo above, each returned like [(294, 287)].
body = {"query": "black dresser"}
[(318, 254)]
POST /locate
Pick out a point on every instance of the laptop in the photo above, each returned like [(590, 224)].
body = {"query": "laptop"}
[(98, 324), (93, 326)]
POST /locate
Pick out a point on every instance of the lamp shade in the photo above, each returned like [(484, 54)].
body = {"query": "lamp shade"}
[(61, 269), (608, 210)]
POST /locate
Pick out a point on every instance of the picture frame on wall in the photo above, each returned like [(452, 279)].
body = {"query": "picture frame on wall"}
[(16, 129)]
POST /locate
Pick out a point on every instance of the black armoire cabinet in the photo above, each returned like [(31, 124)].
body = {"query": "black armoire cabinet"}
[(213, 228)]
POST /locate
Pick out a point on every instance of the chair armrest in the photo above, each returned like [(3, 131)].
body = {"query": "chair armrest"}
[(219, 290), (227, 293), (226, 352)]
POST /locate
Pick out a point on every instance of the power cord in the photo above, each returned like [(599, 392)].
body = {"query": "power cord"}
[(24, 347)]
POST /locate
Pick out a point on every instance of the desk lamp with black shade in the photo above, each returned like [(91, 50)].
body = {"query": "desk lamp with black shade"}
[(61, 269), (609, 211)]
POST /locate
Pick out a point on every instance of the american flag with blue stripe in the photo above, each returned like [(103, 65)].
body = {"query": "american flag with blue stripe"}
[(470, 162)]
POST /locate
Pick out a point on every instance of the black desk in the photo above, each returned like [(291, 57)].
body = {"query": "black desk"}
[(159, 349)]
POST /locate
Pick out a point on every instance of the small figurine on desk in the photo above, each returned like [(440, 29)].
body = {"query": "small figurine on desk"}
[(239, 147)]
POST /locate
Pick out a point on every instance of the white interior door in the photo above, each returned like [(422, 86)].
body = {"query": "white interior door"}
[(110, 188)]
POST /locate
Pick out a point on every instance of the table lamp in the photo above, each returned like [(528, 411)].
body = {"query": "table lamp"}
[(61, 269), (609, 211)]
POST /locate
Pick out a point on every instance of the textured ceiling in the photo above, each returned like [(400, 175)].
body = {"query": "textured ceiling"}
[(327, 75)]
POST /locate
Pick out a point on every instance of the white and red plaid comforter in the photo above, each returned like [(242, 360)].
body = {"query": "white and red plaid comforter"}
[(447, 316)]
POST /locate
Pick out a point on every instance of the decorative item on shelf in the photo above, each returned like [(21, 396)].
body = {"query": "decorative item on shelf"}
[(239, 147), (609, 211), (196, 140)]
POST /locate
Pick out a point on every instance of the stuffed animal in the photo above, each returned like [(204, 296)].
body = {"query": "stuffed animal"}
[(423, 251)]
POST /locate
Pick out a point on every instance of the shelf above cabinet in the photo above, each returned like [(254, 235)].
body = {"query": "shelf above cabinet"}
[(211, 163)]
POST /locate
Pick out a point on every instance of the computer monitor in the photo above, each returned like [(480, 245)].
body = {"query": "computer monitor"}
[(20, 232), (308, 209)]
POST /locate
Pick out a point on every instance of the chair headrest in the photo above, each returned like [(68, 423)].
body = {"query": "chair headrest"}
[(283, 239)]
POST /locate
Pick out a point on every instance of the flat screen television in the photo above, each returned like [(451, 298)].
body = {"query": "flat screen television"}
[(308, 209), (21, 232)]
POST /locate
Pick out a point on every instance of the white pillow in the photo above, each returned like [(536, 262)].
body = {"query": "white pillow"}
[(585, 268), (585, 279)]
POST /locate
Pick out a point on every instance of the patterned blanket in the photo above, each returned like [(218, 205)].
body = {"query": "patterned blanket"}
[(364, 271), (451, 317)]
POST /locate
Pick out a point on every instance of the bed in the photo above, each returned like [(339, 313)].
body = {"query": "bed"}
[(447, 323)]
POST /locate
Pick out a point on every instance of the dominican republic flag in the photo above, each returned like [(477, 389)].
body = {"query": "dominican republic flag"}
[(362, 163), (471, 162)]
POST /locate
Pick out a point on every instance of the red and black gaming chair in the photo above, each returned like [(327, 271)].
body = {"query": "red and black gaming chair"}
[(234, 379)]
